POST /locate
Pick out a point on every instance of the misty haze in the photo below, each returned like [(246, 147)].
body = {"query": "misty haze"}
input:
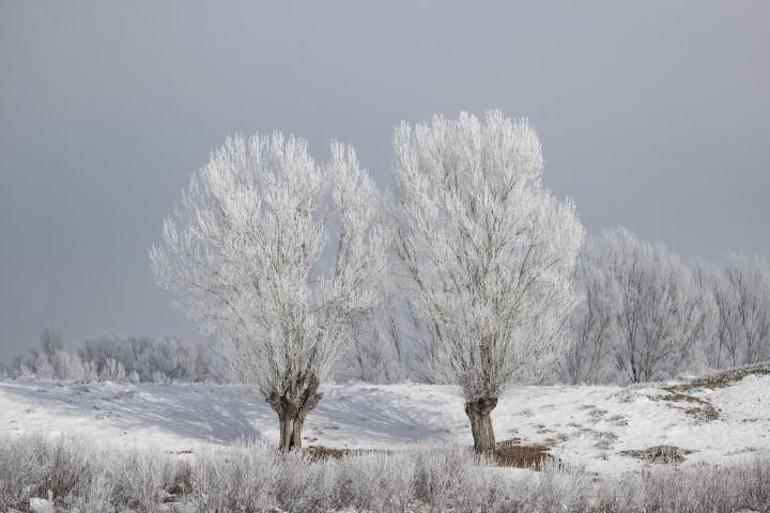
[(384, 257)]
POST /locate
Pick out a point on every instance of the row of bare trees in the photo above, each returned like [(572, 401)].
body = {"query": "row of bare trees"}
[(470, 261), (740, 287), (643, 314), (646, 314), (280, 258)]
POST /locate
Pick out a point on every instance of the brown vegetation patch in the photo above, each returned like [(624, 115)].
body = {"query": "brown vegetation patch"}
[(512, 453), (179, 453), (722, 379), (508, 453), (659, 454), (701, 409), (605, 440), (320, 453)]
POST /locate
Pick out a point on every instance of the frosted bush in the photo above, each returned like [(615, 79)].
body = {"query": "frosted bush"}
[(237, 479), (253, 478), (379, 482), (113, 371), (117, 358)]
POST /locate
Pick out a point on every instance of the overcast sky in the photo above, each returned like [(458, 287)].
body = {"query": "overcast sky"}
[(654, 115)]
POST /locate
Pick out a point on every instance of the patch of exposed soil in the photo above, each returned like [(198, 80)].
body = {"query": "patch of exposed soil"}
[(659, 454)]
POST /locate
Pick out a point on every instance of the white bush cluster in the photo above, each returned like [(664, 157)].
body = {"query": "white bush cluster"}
[(119, 359), (71, 475)]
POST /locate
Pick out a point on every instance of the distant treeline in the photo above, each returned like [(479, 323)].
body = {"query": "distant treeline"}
[(118, 358), (644, 314)]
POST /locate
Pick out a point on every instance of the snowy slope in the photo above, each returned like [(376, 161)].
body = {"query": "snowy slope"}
[(584, 425)]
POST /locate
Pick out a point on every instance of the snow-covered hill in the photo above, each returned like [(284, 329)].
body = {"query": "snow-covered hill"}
[(589, 426)]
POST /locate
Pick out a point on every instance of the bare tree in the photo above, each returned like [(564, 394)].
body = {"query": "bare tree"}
[(749, 316), (592, 322), (488, 251), (662, 313), (724, 346), (740, 287), (276, 256)]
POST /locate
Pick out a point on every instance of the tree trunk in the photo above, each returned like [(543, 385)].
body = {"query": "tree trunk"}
[(479, 412), (291, 416), (297, 429), (287, 423)]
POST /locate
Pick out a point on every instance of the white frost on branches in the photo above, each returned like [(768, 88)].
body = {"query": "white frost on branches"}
[(644, 309), (488, 250), (741, 288), (276, 256)]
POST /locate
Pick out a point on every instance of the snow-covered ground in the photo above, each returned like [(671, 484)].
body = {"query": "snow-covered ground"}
[(588, 426)]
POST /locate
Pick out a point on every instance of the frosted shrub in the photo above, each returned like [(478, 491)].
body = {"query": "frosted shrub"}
[(142, 480), (18, 473), (96, 496), (69, 366), (36, 467), (237, 479), (438, 478), (442, 474), (66, 467), (558, 490), (113, 370), (118, 358), (42, 367), (159, 377), (305, 486), (378, 482)]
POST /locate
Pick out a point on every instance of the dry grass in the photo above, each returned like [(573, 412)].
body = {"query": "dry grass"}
[(512, 453), (659, 454), (702, 410), (321, 453), (76, 476), (722, 379), (508, 453)]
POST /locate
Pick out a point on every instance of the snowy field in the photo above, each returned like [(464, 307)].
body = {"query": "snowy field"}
[(588, 426)]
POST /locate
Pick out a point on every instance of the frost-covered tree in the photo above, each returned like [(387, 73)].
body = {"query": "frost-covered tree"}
[(721, 349), (588, 359), (488, 251), (376, 353), (740, 287), (152, 359), (644, 313), (746, 298), (276, 256), (662, 314)]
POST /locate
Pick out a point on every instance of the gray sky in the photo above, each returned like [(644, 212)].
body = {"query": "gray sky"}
[(654, 115)]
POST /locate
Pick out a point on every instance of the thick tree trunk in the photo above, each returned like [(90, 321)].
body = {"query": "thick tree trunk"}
[(291, 416), (287, 440), (479, 412)]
